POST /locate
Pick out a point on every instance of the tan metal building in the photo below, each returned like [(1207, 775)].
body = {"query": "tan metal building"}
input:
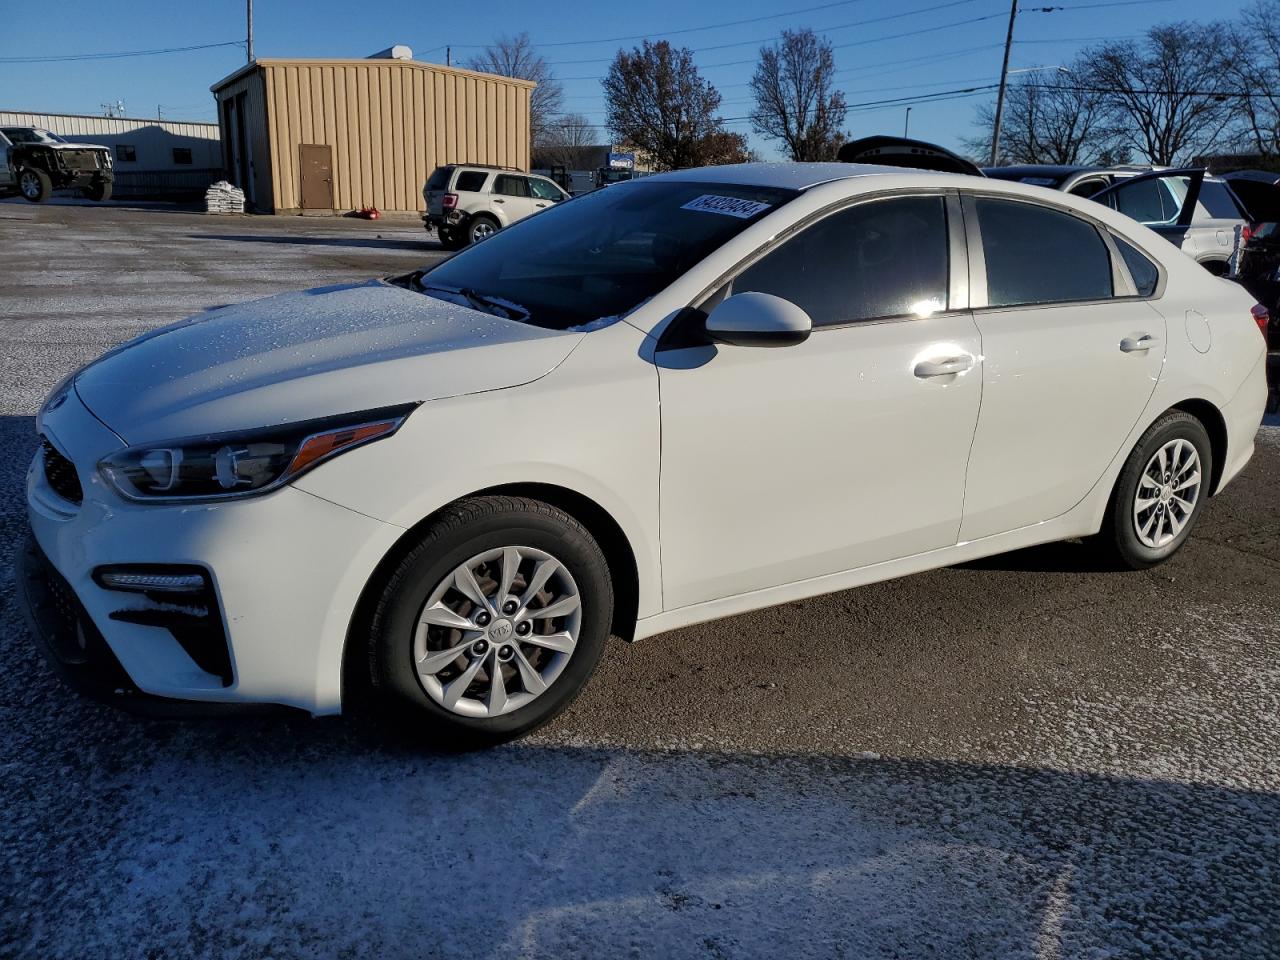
[(337, 135)]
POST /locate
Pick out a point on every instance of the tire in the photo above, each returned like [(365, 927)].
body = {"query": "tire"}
[(400, 639), (34, 184), (450, 240), (1141, 538), (481, 227), (98, 191)]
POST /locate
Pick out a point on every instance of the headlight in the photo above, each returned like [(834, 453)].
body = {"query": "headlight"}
[(245, 463)]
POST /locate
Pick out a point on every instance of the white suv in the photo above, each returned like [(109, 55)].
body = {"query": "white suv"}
[(468, 202)]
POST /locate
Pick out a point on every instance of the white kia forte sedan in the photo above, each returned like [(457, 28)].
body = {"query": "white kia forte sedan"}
[(673, 400)]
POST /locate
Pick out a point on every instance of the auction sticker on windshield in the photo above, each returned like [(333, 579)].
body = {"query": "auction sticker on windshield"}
[(729, 206)]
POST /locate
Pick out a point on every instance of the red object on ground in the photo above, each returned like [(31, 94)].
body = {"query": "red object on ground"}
[(368, 213)]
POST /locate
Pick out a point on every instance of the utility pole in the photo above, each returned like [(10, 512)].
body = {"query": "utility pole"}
[(249, 32), (906, 124), (1004, 79), (448, 56)]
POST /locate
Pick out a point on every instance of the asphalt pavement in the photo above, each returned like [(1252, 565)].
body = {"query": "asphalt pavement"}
[(1022, 757)]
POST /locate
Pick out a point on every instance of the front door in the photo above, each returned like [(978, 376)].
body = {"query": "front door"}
[(1071, 355), (315, 161), (846, 450), (1164, 200)]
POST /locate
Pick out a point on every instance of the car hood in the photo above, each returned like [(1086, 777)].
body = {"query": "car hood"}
[(74, 146), (316, 353)]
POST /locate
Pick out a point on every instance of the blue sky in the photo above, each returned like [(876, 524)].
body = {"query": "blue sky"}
[(948, 48)]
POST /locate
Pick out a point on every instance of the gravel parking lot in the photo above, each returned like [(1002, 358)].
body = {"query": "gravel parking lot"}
[(1022, 757)]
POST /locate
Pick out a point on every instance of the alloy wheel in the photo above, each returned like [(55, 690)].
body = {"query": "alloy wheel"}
[(1167, 494), (496, 632), (482, 230), (30, 185)]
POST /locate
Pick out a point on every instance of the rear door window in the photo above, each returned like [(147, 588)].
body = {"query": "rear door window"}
[(510, 186), (1217, 201), (885, 258), (1035, 254), (471, 181)]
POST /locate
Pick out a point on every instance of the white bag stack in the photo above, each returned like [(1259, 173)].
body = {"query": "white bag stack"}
[(223, 197)]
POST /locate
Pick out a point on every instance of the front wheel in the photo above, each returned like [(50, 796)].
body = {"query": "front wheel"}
[(492, 623), (34, 184), (99, 191), (1160, 492)]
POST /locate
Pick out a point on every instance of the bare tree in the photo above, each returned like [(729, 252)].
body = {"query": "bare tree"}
[(516, 57), (795, 99), (1165, 97), (567, 142), (1253, 68), (658, 102), (1049, 117)]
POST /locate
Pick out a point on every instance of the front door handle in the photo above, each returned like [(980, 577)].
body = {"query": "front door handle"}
[(942, 368), (1138, 344), (499, 200)]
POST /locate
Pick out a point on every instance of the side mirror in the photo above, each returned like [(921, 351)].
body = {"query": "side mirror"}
[(758, 320)]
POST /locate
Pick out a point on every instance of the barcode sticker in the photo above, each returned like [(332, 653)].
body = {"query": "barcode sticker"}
[(727, 206)]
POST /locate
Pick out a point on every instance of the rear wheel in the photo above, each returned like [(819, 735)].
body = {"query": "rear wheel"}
[(493, 623), (1160, 492), (34, 184), (450, 240)]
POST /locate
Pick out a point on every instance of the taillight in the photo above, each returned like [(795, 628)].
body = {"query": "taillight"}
[(1246, 233), (449, 201), (1262, 317)]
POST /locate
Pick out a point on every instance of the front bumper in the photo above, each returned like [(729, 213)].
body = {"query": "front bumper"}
[(286, 571)]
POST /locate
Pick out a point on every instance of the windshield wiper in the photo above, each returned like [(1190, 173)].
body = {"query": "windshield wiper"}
[(479, 301)]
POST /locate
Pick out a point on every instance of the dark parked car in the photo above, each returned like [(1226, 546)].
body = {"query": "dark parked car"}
[(35, 162)]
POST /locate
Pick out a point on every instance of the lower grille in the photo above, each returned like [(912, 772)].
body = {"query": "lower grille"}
[(61, 474)]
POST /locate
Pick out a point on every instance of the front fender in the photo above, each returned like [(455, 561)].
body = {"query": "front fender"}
[(591, 427)]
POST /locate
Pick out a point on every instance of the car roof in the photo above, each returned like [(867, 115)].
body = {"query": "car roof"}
[(787, 175), (1039, 169)]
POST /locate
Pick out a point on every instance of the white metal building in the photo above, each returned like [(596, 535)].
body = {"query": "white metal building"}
[(151, 157)]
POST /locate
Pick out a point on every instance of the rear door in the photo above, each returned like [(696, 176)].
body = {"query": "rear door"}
[(1071, 354), (510, 197), (436, 187)]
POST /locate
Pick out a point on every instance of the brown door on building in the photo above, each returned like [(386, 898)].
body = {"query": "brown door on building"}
[(315, 160)]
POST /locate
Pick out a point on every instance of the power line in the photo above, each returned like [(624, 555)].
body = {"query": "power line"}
[(672, 33), (823, 30), (121, 55)]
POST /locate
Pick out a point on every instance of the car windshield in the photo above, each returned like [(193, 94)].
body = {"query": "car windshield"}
[(31, 135), (598, 256)]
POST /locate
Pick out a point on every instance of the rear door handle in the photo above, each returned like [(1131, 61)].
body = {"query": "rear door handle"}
[(499, 200), (941, 368), (1139, 343)]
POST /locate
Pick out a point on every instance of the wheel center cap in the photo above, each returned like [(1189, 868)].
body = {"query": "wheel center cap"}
[(1166, 493), (501, 630)]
